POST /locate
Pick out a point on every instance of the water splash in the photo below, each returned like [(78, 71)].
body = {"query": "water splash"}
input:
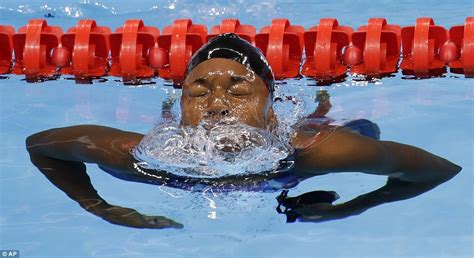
[(228, 148), (211, 150)]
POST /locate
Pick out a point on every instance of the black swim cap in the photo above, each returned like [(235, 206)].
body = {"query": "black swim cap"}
[(231, 46)]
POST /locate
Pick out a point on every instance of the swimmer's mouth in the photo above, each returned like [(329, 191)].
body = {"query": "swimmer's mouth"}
[(235, 142), (230, 148), (211, 123)]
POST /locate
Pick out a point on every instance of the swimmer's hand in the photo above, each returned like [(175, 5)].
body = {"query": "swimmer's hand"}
[(321, 212), (312, 209), (131, 218), (313, 206)]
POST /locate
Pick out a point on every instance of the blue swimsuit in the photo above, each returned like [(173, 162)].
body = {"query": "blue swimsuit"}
[(271, 181)]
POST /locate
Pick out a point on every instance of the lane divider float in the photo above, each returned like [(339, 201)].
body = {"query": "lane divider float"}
[(282, 44), (130, 47), (33, 45), (326, 51), (84, 50), (324, 44), (180, 41), (6, 49), (380, 44)]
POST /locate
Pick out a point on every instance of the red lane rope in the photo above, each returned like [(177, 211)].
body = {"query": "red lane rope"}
[(136, 51)]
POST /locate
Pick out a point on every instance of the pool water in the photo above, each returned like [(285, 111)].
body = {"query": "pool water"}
[(434, 114)]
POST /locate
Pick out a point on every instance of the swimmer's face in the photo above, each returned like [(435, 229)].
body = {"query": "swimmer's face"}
[(220, 88)]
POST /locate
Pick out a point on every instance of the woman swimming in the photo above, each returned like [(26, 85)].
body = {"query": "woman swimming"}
[(229, 82)]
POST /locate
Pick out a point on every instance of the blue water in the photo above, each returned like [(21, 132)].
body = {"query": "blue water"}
[(434, 114)]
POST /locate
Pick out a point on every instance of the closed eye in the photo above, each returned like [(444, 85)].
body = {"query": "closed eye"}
[(240, 89), (238, 79), (198, 88), (200, 81)]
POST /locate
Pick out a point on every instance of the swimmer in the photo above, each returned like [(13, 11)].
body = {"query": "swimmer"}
[(230, 79)]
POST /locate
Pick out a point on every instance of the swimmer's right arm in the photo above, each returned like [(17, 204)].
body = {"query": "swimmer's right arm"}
[(60, 154), (105, 146)]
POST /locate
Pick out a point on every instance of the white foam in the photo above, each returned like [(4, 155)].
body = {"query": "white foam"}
[(223, 149)]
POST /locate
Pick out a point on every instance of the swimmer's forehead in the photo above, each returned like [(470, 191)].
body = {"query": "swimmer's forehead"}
[(220, 67)]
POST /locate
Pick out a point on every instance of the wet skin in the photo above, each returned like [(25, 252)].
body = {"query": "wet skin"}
[(219, 88)]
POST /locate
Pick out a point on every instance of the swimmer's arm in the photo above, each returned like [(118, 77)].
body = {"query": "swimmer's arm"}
[(53, 152), (412, 171), (105, 146), (393, 190), (346, 151)]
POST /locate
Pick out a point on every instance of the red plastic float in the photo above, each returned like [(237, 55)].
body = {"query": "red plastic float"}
[(246, 32), (282, 45), (463, 38), (32, 46), (179, 42), (138, 51), (130, 46), (6, 49), (380, 45), (448, 52), (421, 45), (323, 45), (89, 45)]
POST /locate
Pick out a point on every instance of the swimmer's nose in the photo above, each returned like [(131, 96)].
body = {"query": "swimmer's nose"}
[(218, 107), (218, 113)]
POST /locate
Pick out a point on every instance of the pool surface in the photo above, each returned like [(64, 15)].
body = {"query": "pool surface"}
[(434, 114)]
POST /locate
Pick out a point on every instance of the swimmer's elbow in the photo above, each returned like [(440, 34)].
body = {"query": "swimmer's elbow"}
[(441, 171), (416, 165), (451, 170), (34, 142)]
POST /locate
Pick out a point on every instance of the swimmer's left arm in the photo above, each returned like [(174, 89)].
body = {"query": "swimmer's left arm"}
[(393, 190), (346, 151), (412, 171)]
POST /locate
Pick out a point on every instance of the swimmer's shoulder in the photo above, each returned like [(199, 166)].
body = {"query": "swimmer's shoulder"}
[(305, 137), (105, 146), (340, 150), (119, 144), (319, 152)]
